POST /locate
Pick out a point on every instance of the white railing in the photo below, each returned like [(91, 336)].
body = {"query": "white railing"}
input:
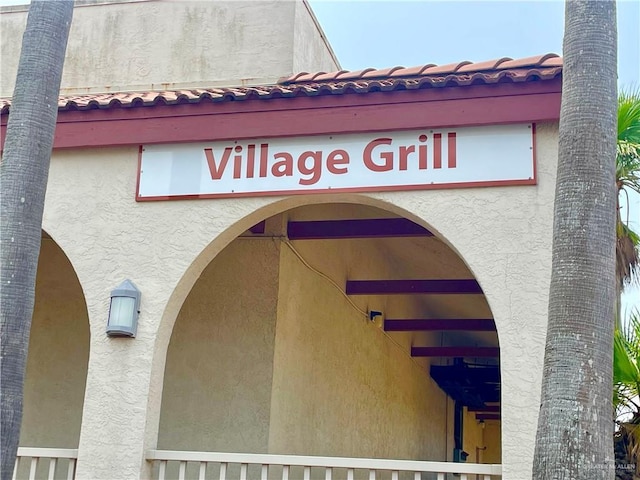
[(182, 465), (32, 463)]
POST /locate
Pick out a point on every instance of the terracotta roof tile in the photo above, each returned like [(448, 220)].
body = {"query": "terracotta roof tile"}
[(410, 72), (488, 65), (548, 60), (541, 67), (373, 73)]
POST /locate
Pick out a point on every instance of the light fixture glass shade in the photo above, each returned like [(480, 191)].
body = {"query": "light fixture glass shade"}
[(124, 310)]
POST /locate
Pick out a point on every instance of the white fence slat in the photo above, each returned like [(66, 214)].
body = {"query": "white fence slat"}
[(413, 468), (322, 462), (52, 468), (182, 471), (162, 471), (15, 469), (71, 471), (32, 468), (350, 474)]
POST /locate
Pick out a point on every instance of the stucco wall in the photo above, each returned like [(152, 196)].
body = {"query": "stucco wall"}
[(341, 386), (58, 355), (492, 454), (473, 438), (308, 50), (217, 384), (164, 44), (503, 234)]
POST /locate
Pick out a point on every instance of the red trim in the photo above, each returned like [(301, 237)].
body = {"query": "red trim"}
[(486, 352), (355, 228), (323, 114), (487, 416), (485, 409), (439, 324), (413, 287), (381, 188), (258, 228)]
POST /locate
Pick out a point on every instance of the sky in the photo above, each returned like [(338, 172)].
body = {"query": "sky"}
[(379, 33)]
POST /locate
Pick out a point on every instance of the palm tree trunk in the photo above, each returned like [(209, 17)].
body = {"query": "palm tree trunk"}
[(575, 428), (23, 182)]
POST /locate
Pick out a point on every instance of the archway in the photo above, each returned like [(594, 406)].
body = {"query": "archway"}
[(339, 330), (58, 354)]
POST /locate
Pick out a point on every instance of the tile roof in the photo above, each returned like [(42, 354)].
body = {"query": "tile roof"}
[(502, 70)]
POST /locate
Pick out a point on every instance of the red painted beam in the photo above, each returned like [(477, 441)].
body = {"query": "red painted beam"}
[(325, 114), (355, 228), (399, 287), (486, 352), (437, 324), (487, 416), (258, 227), (485, 409)]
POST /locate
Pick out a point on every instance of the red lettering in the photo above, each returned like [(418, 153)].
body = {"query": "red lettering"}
[(264, 155), (422, 153), (404, 155), (217, 172), (283, 168), (451, 153), (336, 159), (386, 156), (251, 160), (315, 171), (237, 162), (437, 150)]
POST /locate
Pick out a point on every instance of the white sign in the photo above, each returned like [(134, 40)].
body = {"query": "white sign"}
[(402, 160)]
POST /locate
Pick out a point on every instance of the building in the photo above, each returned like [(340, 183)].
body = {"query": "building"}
[(342, 264)]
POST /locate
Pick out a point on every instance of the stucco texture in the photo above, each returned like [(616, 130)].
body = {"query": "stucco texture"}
[(217, 384), (341, 387), (58, 355), (155, 44), (503, 235)]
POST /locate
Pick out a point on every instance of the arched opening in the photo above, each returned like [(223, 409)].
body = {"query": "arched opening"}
[(58, 354), (335, 330)]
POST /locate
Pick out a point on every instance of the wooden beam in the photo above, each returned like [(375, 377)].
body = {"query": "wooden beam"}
[(487, 416), (356, 228), (396, 287), (439, 324), (258, 227), (486, 352), (485, 409)]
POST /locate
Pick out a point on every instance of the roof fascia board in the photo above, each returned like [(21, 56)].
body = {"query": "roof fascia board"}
[(301, 116)]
